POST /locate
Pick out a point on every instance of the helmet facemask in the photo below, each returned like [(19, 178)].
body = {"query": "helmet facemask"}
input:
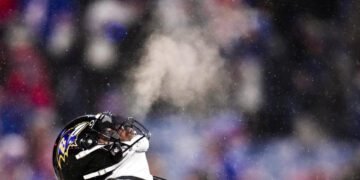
[(109, 126), (104, 125)]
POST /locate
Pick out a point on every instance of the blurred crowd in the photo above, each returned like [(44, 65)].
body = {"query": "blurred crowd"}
[(230, 89)]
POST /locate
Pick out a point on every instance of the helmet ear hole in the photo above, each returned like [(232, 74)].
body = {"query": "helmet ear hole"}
[(88, 141)]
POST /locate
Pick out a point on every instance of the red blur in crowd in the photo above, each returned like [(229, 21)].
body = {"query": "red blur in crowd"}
[(28, 77), (7, 9)]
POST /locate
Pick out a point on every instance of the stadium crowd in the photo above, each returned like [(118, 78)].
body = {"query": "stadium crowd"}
[(248, 89)]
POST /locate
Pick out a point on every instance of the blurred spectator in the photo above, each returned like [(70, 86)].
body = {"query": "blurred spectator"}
[(8, 9)]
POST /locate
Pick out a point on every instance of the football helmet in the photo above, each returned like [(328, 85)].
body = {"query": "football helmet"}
[(92, 138)]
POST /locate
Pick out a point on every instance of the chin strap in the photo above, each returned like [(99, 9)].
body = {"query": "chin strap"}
[(108, 169), (88, 151)]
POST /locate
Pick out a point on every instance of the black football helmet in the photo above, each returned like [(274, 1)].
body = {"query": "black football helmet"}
[(77, 150)]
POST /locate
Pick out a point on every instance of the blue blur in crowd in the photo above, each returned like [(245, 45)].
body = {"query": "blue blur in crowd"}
[(115, 32), (13, 119)]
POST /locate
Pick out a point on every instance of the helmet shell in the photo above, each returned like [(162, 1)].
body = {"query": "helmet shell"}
[(67, 144)]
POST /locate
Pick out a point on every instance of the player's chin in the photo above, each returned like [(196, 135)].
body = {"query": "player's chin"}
[(131, 131)]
